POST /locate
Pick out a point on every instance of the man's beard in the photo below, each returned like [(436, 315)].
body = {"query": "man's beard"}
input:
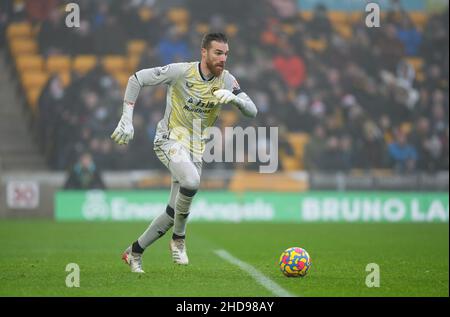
[(216, 71)]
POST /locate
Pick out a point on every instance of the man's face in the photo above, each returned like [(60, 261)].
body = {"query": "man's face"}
[(215, 57)]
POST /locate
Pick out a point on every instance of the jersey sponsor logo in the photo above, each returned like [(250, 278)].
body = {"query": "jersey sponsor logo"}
[(200, 107)]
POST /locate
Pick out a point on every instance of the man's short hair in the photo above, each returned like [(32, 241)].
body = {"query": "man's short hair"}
[(218, 37)]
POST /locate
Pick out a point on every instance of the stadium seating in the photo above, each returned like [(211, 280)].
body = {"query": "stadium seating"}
[(298, 142), (20, 46), (114, 64), (243, 181), (231, 30), (145, 14), (339, 18), (419, 19), (33, 82), (228, 118), (27, 63), (19, 30), (84, 63), (136, 47), (178, 16), (59, 64), (344, 30)]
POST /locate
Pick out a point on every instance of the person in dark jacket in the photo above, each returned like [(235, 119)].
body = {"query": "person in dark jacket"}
[(84, 175)]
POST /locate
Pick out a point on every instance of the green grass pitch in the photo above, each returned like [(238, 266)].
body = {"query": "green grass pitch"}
[(413, 259)]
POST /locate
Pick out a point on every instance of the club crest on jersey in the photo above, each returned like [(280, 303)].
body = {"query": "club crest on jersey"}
[(165, 69), (189, 85), (214, 89)]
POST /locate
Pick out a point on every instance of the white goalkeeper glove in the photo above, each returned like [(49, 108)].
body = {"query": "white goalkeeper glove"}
[(124, 132), (225, 96)]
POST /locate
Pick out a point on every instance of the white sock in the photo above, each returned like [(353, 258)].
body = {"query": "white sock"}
[(182, 206)]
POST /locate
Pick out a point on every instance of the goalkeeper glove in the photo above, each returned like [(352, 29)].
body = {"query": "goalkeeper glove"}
[(124, 132), (225, 96)]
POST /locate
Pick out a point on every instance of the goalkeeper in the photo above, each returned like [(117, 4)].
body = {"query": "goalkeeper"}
[(196, 91)]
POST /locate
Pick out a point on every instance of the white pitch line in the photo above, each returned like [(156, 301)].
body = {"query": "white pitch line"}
[(257, 275)]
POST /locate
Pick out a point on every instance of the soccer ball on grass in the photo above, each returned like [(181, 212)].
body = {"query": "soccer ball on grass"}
[(295, 262)]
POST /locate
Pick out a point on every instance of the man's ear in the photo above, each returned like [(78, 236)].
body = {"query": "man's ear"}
[(204, 51)]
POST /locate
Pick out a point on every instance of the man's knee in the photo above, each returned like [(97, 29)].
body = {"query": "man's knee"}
[(192, 182)]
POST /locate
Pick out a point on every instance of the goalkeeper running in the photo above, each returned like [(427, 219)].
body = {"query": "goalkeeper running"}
[(196, 91)]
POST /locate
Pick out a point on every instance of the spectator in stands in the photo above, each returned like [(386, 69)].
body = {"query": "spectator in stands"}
[(403, 155), (315, 149), (337, 154), (409, 36), (320, 25), (39, 10), (84, 175), (50, 107), (54, 35), (81, 39), (372, 148), (174, 48), (109, 37), (290, 67)]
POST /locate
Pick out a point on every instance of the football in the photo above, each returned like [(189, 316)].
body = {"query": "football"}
[(295, 262)]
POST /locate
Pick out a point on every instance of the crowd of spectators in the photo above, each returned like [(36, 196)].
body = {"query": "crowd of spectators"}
[(363, 105)]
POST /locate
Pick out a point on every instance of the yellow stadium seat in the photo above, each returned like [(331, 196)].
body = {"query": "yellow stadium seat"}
[(406, 127), (59, 63), (136, 47), (420, 76), (145, 14), (316, 45), (290, 163), (231, 29), (182, 28), (228, 118), (19, 30), (243, 181), (66, 78), (121, 78), (23, 46), (133, 63), (29, 63), (415, 62), (306, 15), (115, 63), (84, 63), (344, 30), (33, 95), (178, 15), (36, 79), (419, 19), (202, 28), (298, 142), (338, 17), (356, 18)]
